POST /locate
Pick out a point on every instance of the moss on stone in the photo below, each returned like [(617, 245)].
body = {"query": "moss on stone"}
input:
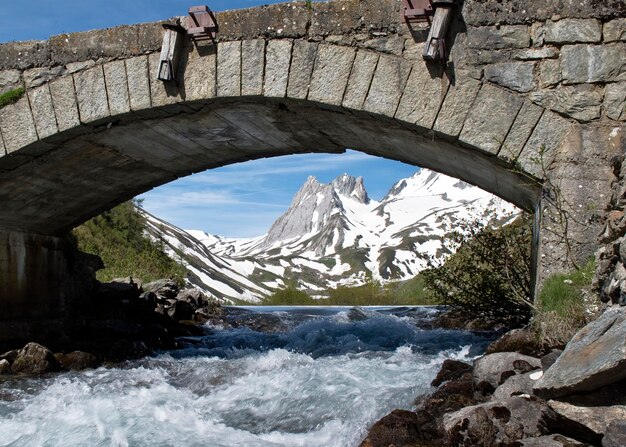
[(12, 96)]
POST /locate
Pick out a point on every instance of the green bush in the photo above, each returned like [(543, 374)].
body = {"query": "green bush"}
[(11, 96), (488, 277), (118, 237), (289, 296)]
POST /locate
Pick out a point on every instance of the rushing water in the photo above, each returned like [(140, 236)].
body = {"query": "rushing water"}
[(320, 380)]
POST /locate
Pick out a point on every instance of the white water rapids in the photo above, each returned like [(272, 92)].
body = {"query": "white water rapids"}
[(321, 381)]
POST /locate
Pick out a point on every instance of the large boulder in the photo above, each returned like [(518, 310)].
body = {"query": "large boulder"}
[(34, 359), (586, 423), (498, 423), (594, 357), (399, 428), (615, 435), (163, 288), (516, 386), (78, 360), (5, 367), (516, 340), (491, 371), (450, 370)]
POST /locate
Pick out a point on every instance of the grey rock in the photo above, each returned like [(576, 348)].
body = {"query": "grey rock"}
[(9, 79), (492, 370), (498, 38), (615, 435), (43, 111), (78, 360), (34, 359), (277, 57), (536, 53), (163, 288), (593, 63), (548, 360), (39, 76), (615, 30), (523, 126), (138, 82), (518, 76), (595, 357), (387, 86), (330, 76), (5, 367), (351, 187), (498, 423), (65, 105), (550, 73), (229, 69), (615, 102), (573, 31), (200, 74), (581, 102), (117, 87), (550, 441), (587, 423), (392, 44), (450, 370), (302, 62), (360, 79), (493, 113), (515, 386), (75, 67), (10, 356), (17, 125)]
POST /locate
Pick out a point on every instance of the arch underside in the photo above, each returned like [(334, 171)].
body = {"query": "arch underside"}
[(79, 173)]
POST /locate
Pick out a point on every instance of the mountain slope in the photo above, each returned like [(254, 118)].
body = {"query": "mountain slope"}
[(333, 234)]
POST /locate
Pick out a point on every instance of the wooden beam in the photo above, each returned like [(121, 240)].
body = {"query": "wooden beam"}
[(435, 43)]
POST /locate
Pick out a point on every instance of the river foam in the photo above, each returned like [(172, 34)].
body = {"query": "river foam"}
[(321, 383)]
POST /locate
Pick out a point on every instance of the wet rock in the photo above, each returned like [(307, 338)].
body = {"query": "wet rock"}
[(587, 424), (10, 356), (548, 360), (5, 367), (78, 360), (399, 428), (595, 357), (450, 370), (498, 423), (181, 310), (126, 349), (451, 396), (517, 340), (550, 441), (492, 370), (35, 359), (615, 435)]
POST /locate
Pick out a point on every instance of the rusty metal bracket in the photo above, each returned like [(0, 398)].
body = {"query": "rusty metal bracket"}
[(417, 11), (201, 23)]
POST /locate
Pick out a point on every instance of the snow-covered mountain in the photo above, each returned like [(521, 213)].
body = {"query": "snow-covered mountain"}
[(332, 234)]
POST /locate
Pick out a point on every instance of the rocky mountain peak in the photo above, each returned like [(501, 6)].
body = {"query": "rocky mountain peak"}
[(352, 187)]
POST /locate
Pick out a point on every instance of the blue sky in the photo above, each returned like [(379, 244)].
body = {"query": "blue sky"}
[(240, 200)]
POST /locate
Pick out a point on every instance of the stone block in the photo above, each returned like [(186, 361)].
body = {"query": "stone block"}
[(43, 111), (64, 101), (117, 87), (229, 68), (542, 146), (138, 82), (91, 94), (456, 106), (422, 97), (301, 70), (593, 63), (595, 419), (615, 30), (161, 93), (523, 126), (17, 125), (567, 31), (39, 76), (9, 80), (550, 73), (360, 79), (252, 67), (277, 59), (23, 55), (75, 67), (581, 102), (331, 73), (615, 101), (536, 53), (392, 45), (518, 76), (387, 85), (200, 73), (498, 38), (493, 114), (2, 148)]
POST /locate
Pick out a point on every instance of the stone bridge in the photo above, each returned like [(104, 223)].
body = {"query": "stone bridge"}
[(530, 106)]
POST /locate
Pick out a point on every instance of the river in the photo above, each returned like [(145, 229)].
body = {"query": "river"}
[(320, 377)]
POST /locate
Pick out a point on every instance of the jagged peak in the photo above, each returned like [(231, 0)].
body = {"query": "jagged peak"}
[(352, 187)]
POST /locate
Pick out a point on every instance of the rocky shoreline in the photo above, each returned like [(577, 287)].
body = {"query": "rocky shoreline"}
[(570, 398)]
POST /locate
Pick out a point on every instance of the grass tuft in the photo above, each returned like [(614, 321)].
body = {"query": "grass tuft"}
[(11, 97)]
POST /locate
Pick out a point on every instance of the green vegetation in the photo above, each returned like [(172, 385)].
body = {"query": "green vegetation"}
[(12, 96), (118, 237), (560, 309), (488, 277)]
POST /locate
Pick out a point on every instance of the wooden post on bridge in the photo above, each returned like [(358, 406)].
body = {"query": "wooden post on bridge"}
[(435, 47)]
